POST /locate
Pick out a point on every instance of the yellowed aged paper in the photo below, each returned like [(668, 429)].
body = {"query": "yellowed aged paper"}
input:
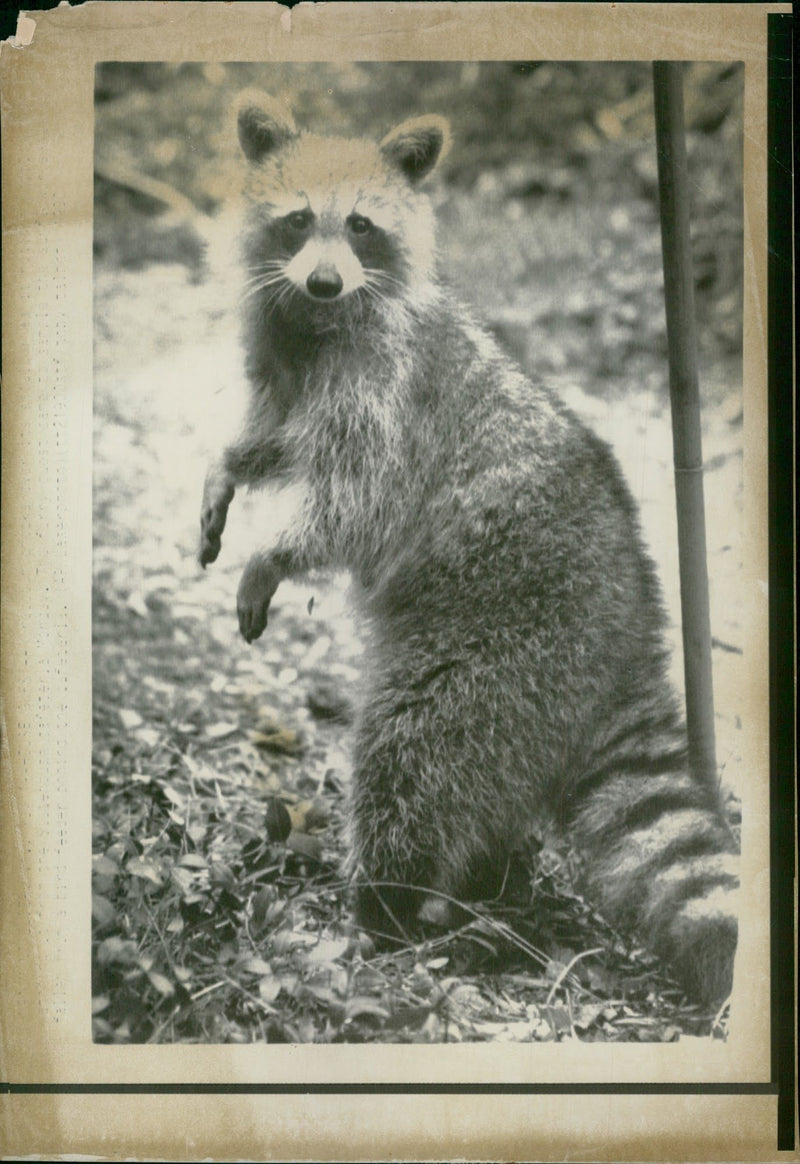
[(47, 80)]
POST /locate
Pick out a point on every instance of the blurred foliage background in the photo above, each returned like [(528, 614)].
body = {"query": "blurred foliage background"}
[(585, 121)]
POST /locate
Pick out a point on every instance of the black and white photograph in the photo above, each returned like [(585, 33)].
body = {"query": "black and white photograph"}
[(395, 748), (390, 692)]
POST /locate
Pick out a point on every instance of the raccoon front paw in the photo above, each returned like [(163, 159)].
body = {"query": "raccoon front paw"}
[(259, 582), (216, 500)]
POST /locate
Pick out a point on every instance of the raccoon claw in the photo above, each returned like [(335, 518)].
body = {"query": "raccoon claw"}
[(212, 519), (252, 621), (210, 546), (259, 583)]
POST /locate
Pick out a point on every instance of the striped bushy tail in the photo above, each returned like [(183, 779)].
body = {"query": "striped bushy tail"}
[(660, 859)]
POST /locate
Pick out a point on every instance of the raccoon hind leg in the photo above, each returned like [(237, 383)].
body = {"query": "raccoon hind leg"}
[(424, 808), (406, 867)]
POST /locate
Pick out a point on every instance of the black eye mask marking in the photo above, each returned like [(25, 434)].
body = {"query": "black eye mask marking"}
[(376, 249)]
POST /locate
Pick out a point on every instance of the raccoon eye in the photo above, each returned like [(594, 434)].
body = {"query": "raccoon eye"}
[(359, 224), (299, 219)]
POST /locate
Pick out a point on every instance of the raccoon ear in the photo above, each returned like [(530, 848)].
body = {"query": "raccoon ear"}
[(264, 124), (416, 146)]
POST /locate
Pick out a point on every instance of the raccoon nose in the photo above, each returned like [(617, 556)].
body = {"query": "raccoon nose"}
[(324, 282)]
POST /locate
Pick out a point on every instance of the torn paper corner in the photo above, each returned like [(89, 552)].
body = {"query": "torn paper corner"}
[(26, 26)]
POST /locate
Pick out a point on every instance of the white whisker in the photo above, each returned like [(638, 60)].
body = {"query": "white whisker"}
[(263, 284)]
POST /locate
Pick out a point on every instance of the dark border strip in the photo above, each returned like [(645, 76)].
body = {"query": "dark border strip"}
[(781, 566), (389, 1088)]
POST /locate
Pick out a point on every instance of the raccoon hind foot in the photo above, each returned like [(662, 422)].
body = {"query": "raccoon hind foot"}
[(436, 911), (385, 911), (399, 913)]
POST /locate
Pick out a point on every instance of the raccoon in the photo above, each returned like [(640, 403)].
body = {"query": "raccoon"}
[(517, 667)]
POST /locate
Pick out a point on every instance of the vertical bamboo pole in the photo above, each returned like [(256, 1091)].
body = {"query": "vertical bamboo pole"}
[(685, 404)]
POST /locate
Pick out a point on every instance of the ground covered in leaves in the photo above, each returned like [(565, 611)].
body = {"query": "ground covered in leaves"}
[(220, 770)]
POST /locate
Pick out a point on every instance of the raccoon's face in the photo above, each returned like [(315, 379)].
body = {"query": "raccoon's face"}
[(328, 248), (335, 221)]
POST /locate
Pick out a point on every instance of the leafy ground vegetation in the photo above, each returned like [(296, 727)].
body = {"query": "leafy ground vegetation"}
[(220, 770)]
